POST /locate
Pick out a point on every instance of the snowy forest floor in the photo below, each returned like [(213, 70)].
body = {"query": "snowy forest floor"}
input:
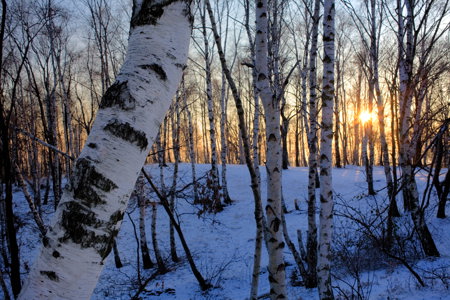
[(223, 243)]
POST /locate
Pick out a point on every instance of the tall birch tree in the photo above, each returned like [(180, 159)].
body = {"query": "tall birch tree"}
[(326, 138), (92, 207), (277, 275)]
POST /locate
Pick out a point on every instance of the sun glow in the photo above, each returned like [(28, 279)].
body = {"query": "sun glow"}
[(366, 116)]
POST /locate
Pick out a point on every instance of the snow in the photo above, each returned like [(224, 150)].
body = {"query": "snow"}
[(223, 243)]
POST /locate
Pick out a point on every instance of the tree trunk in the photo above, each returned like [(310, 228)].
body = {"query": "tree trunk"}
[(410, 192), (173, 190), (91, 210), (277, 275), (191, 143), (141, 202), (311, 243), (216, 203), (252, 165), (161, 266), (326, 191)]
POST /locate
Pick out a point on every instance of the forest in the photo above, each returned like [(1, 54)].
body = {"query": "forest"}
[(224, 149)]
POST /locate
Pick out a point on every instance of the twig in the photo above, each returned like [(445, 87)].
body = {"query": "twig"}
[(204, 285)]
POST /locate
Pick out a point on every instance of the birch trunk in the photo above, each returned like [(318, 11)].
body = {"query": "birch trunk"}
[(223, 140), (252, 165), (410, 192), (176, 157), (191, 143), (161, 266), (370, 149), (91, 210), (277, 275), (258, 211), (311, 243), (356, 120), (326, 192), (380, 109), (216, 203), (141, 202)]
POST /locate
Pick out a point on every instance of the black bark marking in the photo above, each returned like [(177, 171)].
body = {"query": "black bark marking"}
[(118, 95), (157, 69), (276, 224), (261, 76), (50, 274), (85, 178), (79, 223), (281, 267), (126, 132), (46, 242), (150, 13), (180, 66), (272, 138), (171, 56), (116, 217), (56, 254), (92, 145)]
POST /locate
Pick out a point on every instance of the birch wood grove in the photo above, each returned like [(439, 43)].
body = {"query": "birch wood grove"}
[(339, 110), (92, 207)]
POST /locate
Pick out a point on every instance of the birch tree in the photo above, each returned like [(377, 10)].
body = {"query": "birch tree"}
[(92, 207), (326, 137), (252, 165), (311, 243), (277, 275), (408, 41), (214, 173)]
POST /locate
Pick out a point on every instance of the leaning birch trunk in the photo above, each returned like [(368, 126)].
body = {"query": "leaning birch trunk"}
[(326, 192), (252, 165), (92, 207), (311, 243), (277, 275)]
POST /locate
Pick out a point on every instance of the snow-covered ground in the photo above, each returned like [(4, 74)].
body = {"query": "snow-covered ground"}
[(223, 244)]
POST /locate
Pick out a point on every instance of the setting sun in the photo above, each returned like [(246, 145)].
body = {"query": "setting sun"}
[(365, 116)]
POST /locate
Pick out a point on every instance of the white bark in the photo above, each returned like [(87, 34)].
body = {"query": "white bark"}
[(191, 143), (326, 192), (216, 203), (311, 244), (141, 202), (92, 206), (277, 275)]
